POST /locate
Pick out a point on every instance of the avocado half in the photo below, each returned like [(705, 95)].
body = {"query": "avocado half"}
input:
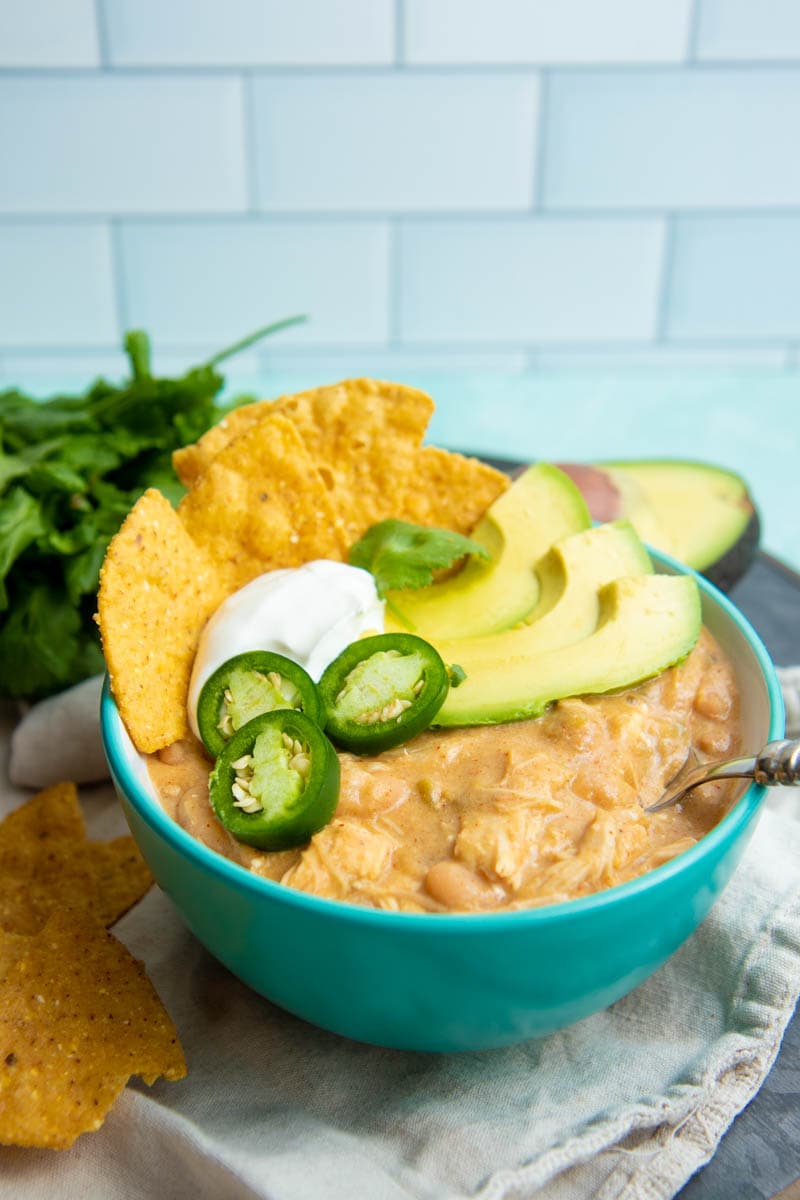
[(699, 513)]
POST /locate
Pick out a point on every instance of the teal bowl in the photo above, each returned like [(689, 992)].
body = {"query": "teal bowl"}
[(461, 982)]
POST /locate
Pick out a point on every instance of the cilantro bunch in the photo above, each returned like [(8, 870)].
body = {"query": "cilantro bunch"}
[(71, 467)]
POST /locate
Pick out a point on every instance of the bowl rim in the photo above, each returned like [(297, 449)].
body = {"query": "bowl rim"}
[(227, 871)]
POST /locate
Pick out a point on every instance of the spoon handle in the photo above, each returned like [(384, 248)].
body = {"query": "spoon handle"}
[(778, 763)]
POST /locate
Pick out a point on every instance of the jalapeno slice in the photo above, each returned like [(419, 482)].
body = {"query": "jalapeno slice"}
[(246, 686), (381, 691), (276, 782)]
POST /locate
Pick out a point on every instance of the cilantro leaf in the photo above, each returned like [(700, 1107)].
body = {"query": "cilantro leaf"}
[(45, 645), (402, 555), (20, 524)]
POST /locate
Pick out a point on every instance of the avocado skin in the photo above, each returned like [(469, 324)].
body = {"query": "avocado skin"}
[(724, 563), (727, 570)]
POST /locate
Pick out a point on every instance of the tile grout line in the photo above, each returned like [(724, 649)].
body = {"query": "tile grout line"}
[(665, 286), (446, 348), (249, 144), (394, 286), (594, 214), (400, 34), (103, 40), (540, 152), (364, 70), (693, 34), (118, 277)]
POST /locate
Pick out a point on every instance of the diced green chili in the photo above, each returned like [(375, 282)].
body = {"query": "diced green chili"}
[(246, 686), (276, 782), (381, 691)]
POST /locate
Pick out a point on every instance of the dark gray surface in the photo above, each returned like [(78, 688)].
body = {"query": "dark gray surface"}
[(769, 596), (760, 1154)]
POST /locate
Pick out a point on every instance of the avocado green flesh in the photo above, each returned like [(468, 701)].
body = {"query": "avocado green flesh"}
[(540, 507), (377, 681), (694, 511), (646, 624), (275, 784), (572, 574), (252, 694)]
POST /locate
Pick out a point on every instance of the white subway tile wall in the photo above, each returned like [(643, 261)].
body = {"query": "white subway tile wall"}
[(127, 143), (541, 31), (57, 284), (652, 139), (48, 33), (508, 185), (736, 278), (235, 33), (529, 280), (400, 142), (208, 282), (743, 29)]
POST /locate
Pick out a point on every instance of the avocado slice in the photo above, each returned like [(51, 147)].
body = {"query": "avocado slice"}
[(540, 507), (646, 624), (700, 513), (571, 575)]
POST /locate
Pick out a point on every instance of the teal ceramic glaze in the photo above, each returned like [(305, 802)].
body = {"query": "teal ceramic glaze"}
[(445, 983)]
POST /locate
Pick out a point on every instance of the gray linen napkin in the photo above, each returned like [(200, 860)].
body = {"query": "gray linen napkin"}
[(626, 1105), (59, 738)]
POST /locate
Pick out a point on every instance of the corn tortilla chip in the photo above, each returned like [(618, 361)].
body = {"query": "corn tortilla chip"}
[(78, 1017), (12, 945), (46, 863), (329, 419), (420, 484), (157, 589), (261, 505), (448, 490), (120, 877), (344, 419)]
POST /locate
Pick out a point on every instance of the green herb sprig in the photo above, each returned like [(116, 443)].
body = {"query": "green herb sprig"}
[(402, 555), (71, 467)]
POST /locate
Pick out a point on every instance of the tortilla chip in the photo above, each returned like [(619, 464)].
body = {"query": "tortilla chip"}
[(383, 479), (120, 877), (46, 863), (346, 418), (329, 420), (157, 589), (261, 505), (12, 946), (78, 1017), (449, 491), (189, 462)]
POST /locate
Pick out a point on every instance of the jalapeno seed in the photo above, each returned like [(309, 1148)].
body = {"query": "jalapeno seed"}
[(248, 685), (382, 691), (276, 782)]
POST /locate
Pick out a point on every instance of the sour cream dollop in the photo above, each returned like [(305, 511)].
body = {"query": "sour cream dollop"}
[(308, 614)]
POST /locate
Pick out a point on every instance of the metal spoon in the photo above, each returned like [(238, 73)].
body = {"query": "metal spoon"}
[(777, 763)]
